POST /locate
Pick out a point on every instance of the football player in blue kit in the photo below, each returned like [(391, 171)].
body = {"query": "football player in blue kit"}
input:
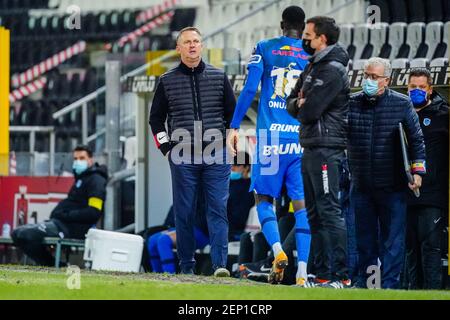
[(277, 63)]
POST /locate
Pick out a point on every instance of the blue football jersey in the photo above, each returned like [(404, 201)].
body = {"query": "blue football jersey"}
[(282, 60)]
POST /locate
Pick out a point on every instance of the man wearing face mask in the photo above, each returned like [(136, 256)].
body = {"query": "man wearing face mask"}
[(426, 214), (73, 216), (376, 165), (320, 102)]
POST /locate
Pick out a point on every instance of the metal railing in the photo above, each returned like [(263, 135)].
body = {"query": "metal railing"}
[(31, 131)]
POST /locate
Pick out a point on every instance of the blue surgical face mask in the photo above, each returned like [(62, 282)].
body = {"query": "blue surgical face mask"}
[(418, 97), (79, 166), (370, 87), (235, 175)]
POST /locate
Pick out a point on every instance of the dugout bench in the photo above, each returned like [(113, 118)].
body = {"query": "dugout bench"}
[(58, 243)]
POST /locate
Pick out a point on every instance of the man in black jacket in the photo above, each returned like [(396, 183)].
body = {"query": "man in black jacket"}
[(376, 167), (197, 102), (320, 101), (73, 216), (426, 214)]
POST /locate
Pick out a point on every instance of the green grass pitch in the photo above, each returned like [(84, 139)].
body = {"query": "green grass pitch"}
[(19, 282)]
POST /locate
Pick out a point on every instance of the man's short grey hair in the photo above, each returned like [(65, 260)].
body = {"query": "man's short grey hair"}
[(187, 29), (375, 61)]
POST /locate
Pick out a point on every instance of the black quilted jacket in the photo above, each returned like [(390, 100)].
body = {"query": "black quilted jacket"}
[(374, 149)]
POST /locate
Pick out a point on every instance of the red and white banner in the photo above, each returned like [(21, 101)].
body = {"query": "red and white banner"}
[(28, 89), (30, 199), (12, 164), (142, 30), (46, 65), (156, 10)]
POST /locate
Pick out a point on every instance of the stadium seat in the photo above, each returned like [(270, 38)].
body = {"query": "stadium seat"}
[(361, 40), (256, 36), (272, 32), (439, 62), (399, 11), (244, 44), (232, 59), (185, 17), (218, 41), (433, 37), (397, 37), (346, 38), (416, 40), (384, 8), (142, 45), (416, 10), (378, 38), (446, 11), (419, 63), (321, 7), (434, 9), (76, 86), (401, 63), (350, 65), (127, 21), (446, 38), (359, 64)]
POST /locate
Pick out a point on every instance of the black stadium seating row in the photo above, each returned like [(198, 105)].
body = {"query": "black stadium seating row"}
[(59, 86), (22, 5), (95, 26), (413, 10), (25, 54), (35, 39), (39, 113)]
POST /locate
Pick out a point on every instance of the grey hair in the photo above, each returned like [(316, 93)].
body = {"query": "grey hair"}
[(380, 62)]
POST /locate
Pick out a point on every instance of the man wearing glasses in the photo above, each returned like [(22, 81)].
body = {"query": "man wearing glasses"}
[(380, 183)]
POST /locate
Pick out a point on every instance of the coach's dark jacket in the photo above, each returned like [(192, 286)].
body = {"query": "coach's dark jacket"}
[(434, 122), (326, 88), (83, 206), (187, 95), (374, 149)]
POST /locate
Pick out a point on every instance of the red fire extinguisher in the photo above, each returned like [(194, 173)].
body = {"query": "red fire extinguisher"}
[(22, 207)]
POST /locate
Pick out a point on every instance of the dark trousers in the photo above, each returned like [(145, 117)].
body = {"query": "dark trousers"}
[(29, 238), (348, 211), (423, 247), (380, 218), (321, 171), (214, 180)]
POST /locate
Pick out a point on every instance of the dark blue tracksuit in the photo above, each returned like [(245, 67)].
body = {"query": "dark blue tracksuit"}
[(380, 184)]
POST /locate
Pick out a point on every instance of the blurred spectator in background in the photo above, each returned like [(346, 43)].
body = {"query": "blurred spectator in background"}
[(73, 216)]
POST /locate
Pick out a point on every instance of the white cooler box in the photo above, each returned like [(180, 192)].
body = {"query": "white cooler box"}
[(113, 251)]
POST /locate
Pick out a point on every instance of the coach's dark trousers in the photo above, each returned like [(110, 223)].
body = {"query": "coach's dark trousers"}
[(321, 172), (214, 180), (380, 218)]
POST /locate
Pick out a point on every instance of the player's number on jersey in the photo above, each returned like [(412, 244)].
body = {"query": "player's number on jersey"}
[(285, 80)]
